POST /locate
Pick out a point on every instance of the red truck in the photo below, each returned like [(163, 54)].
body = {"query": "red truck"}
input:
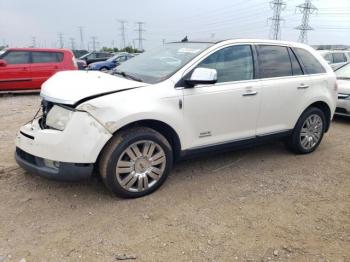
[(28, 68)]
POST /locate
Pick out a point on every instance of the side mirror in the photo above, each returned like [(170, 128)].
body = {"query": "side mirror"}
[(204, 76), (3, 62)]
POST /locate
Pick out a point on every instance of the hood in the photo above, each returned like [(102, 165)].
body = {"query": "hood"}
[(69, 87), (343, 86)]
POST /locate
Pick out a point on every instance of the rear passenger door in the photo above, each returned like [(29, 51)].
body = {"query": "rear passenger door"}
[(44, 65), (16, 75), (283, 87)]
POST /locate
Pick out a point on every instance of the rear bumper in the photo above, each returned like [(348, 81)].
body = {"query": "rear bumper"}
[(61, 171)]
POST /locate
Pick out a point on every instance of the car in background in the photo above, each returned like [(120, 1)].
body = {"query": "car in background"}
[(110, 63), (79, 53), (96, 57), (343, 78), (336, 58), (29, 68), (81, 64)]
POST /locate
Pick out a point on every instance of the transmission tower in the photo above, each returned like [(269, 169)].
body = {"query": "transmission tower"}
[(94, 43), (122, 32), (140, 31), (60, 40), (277, 6), (72, 43), (306, 9), (81, 34), (33, 41)]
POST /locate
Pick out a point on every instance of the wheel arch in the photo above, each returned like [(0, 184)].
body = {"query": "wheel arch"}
[(324, 107), (163, 128)]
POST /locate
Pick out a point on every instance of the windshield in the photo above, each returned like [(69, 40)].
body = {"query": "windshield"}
[(113, 58), (343, 72), (160, 63)]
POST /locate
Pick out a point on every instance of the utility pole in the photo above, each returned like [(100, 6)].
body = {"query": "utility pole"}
[(60, 40), (72, 43), (81, 34), (277, 6), (163, 41), (94, 43), (122, 32), (33, 41), (140, 31), (306, 9)]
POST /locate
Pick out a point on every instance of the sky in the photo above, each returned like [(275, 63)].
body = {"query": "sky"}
[(23, 20)]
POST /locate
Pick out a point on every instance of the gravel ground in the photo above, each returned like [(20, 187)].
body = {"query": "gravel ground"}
[(260, 204)]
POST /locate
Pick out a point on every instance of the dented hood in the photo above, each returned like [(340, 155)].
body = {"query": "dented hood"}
[(69, 87)]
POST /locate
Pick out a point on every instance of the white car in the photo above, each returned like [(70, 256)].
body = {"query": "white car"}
[(336, 58), (343, 76), (131, 127)]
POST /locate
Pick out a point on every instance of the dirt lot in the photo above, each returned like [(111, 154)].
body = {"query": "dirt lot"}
[(261, 204)]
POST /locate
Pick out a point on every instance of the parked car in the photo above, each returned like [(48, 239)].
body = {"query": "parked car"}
[(132, 127), (110, 63), (343, 76), (28, 68), (96, 57), (79, 53), (336, 58), (81, 64)]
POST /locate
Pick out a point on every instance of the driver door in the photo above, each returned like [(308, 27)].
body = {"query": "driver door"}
[(226, 111)]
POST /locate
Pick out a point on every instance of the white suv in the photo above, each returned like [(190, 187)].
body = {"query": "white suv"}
[(131, 127)]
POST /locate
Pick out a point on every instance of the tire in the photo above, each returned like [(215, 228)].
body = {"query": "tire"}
[(104, 69), (135, 162), (307, 136)]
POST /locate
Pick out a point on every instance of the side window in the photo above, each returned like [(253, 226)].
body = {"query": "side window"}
[(16, 57), (274, 61), (339, 58), (91, 56), (296, 68), (310, 63), (234, 63), (47, 57)]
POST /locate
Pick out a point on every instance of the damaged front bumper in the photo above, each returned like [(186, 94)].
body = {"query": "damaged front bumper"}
[(62, 155)]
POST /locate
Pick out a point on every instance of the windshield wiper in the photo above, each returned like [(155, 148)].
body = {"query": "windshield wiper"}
[(128, 76)]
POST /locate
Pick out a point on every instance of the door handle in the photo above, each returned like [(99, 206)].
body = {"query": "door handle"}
[(303, 86), (252, 93)]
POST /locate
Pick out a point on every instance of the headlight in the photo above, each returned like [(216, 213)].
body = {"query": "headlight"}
[(58, 117)]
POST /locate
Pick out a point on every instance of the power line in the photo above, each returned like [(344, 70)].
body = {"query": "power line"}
[(140, 31), (278, 6), (306, 9), (122, 32)]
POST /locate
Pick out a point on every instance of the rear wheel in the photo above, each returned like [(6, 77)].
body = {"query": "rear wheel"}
[(104, 69), (136, 162), (308, 132)]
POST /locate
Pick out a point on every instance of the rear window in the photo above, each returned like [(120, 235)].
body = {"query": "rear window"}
[(274, 61), (16, 57), (339, 58), (47, 57), (310, 63)]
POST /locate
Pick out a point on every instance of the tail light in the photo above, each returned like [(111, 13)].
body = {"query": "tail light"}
[(75, 64)]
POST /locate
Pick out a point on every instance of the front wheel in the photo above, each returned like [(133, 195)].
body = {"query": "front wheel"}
[(136, 162), (308, 132)]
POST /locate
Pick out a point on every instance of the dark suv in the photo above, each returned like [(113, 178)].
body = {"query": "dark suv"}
[(96, 57)]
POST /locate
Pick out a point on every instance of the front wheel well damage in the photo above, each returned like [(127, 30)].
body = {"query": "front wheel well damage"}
[(164, 129)]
